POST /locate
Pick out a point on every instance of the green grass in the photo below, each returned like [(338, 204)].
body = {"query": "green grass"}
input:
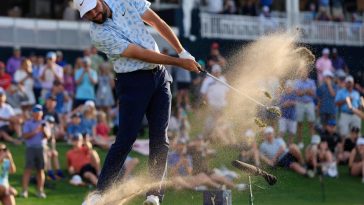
[(290, 189)]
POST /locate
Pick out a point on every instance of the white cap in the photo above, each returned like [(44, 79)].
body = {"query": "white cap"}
[(249, 133), (315, 139), (90, 103), (216, 68), (332, 171), (328, 73), (87, 60), (268, 130), (349, 78), (360, 141), (325, 51), (83, 6), (76, 180)]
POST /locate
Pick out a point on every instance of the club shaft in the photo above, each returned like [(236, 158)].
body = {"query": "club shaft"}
[(236, 90)]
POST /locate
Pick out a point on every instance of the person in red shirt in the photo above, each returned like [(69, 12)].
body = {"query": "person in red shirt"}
[(103, 138), (82, 160), (5, 78)]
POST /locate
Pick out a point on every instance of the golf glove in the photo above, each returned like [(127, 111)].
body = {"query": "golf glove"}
[(186, 55)]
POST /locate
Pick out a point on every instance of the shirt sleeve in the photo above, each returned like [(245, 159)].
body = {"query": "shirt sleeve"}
[(11, 111), (141, 6), (94, 76), (108, 42), (339, 96), (78, 74)]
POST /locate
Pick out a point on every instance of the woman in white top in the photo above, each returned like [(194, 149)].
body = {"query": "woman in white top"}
[(24, 78), (7, 167)]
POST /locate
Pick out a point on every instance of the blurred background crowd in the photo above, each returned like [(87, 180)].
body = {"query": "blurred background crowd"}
[(62, 96), (325, 10), (45, 100)]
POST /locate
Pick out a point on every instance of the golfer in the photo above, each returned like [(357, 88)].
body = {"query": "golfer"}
[(142, 83)]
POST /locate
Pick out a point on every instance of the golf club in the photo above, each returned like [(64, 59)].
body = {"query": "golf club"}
[(250, 169), (273, 109)]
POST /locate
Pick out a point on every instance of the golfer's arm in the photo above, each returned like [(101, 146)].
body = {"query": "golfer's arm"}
[(142, 54), (151, 18)]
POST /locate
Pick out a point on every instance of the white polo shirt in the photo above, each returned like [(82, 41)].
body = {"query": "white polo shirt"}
[(124, 28)]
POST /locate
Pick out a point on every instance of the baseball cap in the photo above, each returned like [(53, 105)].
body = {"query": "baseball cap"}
[(331, 122), (49, 118), (90, 103), (315, 139), (266, 9), (268, 130), (349, 78), (76, 180), (340, 73), (328, 73), (51, 55), (77, 114), (182, 141), (83, 6), (325, 51), (37, 108), (87, 60), (51, 97), (16, 48), (3, 146), (355, 129), (59, 53), (360, 141), (77, 136), (216, 68), (249, 133)]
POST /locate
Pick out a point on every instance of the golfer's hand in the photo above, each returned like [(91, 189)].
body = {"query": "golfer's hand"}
[(189, 65)]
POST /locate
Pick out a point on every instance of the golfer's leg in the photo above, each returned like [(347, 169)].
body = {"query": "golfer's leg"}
[(133, 100), (158, 113)]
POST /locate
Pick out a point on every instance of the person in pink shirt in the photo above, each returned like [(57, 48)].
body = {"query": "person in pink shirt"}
[(322, 64)]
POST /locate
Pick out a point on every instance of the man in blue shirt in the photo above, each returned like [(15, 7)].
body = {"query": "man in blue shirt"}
[(86, 79), (288, 123), (142, 84), (326, 98), (35, 133), (306, 92), (347, 117)]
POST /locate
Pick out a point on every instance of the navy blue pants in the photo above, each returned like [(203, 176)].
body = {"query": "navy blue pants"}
[(140, 93)]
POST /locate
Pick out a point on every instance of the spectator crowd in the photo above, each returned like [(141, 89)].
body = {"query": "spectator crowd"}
[(45, 100)]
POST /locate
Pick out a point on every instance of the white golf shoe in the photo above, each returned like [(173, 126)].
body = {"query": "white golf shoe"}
[(92, 200), (151, 200)]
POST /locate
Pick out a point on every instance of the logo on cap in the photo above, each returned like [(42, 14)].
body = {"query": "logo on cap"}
[(82, 3)]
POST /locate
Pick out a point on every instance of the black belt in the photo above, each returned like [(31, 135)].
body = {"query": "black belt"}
[(154, 70)]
